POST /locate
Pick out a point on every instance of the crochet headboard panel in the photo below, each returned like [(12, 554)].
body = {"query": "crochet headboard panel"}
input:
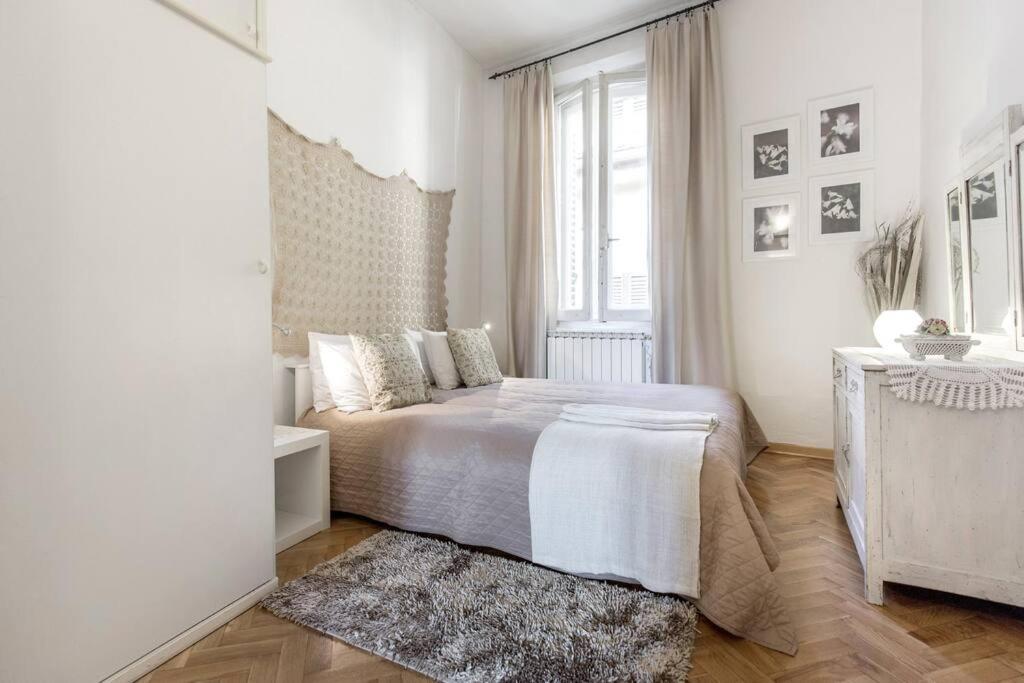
[(354, 252)]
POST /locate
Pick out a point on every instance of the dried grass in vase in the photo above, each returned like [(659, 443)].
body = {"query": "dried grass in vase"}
[(891, 266)]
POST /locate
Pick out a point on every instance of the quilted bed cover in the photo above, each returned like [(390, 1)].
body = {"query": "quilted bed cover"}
[(460, 467)]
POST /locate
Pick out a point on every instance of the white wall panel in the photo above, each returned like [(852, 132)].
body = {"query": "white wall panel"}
[(137, 493)]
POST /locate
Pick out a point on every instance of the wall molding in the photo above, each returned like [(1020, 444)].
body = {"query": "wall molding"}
[(154, 658), (800, 451), (216, 30)]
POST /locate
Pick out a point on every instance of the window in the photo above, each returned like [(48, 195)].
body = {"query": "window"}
[(602, 200)]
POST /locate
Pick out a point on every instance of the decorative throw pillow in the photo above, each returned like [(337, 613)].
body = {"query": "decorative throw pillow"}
[(392, 371), (442, 364), (421, 350), (474, 357)]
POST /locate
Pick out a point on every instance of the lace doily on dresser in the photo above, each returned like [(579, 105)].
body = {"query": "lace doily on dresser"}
[(971, 384), (354, 253)]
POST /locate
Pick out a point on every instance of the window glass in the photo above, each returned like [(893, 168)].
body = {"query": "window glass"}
[(571, 219), (628, 244)]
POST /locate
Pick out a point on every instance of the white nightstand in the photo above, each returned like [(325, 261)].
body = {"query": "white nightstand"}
[(301, 483)]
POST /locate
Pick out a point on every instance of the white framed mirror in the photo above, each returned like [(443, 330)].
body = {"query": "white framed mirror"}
[(1017, 232), (986, 258), (954, 259), (983, 234)]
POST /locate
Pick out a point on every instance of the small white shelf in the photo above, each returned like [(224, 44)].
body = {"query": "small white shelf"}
[(292, 527), (301, 484)]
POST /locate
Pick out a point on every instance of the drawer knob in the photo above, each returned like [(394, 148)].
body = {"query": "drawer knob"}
[(853, 385)]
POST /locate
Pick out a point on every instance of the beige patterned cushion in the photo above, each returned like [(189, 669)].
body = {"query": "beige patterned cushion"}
[(474, 357), (392, 371)]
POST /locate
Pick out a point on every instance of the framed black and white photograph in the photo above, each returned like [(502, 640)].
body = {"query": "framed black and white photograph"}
[(841, 207), (771, 153), (771, 227), (841, 128), (984, 196)]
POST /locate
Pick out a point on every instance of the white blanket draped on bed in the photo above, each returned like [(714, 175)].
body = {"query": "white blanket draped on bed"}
[(616, 491)]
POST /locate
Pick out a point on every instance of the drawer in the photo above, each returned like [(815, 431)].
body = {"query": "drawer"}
[(838, 373), (853, 387)]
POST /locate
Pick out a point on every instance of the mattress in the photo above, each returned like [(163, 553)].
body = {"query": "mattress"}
[(460, 467)]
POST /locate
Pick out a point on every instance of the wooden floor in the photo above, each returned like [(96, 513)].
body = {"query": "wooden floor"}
[(918, 635)]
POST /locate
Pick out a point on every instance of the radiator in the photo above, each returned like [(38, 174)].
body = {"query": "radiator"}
[(615, 357)]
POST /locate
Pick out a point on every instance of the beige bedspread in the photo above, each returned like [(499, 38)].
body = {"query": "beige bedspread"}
[(460, 467)]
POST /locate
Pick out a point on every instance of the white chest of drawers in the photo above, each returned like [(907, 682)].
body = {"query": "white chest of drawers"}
[(933, 496)]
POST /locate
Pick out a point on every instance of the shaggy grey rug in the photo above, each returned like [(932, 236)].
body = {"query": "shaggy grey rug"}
[(461, 615)]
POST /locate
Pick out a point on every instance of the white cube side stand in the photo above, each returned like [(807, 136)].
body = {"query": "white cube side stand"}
[(301, 484)]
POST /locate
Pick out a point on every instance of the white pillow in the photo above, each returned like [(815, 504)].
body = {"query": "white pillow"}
[(348, 389), (322, 399), (442, 364), (421, 352), (337, 381)]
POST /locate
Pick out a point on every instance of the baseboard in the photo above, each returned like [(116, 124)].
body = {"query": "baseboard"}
[(151, 660), (953, 581), (800, 451)]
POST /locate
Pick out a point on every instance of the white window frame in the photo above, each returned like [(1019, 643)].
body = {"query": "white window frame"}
[(604, 208), (585, 89)]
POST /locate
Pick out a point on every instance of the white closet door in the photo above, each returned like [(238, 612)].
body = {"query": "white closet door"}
[(239, 18), (136, 495)]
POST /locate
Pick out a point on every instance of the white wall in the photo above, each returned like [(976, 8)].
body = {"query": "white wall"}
[(391, 85), (493, 285), (973, 53), (787, 316), (136, 497)]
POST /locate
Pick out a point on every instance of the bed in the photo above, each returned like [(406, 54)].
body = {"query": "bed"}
[(460, 467)]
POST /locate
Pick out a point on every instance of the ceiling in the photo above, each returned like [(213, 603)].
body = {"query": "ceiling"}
[(503, 32)]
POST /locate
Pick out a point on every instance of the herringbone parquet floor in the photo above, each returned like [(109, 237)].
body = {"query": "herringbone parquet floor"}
[(918, 635)]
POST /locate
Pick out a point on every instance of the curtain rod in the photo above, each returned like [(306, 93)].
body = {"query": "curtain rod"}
[(686, 10)]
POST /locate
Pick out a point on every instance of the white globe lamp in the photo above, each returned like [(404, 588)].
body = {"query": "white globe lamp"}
[(892, 324)]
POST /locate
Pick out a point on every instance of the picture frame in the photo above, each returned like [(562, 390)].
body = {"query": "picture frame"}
[(841, 129), (771, 227), (986, 196), (841, 207), (771, 153)]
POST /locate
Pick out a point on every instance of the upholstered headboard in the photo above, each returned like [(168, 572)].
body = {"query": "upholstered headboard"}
[(354, 252)]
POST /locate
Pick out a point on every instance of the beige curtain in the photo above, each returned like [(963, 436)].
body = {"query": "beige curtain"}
[(689, 277), (529, 217)]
